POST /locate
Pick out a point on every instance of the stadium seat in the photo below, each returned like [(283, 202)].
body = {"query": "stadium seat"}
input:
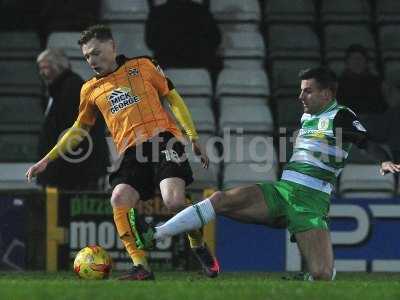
[(203, 118), (236, 11), (389, 42), (359, 156), (289, 111), (339, 37), (364, 181), (242, 50), (345, 11), (398, 186), (243, 64), (239, 174), (18, 147), (209, 143), (67, 41), (285, 74), (195, 101), (387, 11), (228, 101), (289, 11), (160, 2), (232, 82), (204, 178), (20, 110), (19, 45), (82, 68), (249, 148), (292, 41), (250, 118), (12, 176), (124, 10), (246, 27), (392, 72), (129, 38), (19, 78), (191, 82)]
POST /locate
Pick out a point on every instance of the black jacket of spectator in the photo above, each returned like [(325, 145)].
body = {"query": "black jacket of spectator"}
[(65, 91), (361, 92), (183, 34)]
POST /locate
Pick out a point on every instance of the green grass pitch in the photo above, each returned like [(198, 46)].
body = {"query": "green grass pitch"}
[(190, 285)]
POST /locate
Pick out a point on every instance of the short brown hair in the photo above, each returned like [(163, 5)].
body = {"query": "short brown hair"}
[(100, 32)]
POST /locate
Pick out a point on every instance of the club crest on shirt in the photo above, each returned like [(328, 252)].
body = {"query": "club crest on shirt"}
[(323, 124), (121, 98), (133, 72)]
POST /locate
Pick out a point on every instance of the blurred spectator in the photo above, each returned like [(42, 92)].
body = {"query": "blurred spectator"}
[(359, 88), (370, 97), (63, 88), (183, 34)]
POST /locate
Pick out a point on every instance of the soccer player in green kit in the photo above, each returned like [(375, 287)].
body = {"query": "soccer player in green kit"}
[(300, 200)]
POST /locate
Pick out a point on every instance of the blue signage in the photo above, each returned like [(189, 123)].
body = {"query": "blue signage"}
[(364, 235)]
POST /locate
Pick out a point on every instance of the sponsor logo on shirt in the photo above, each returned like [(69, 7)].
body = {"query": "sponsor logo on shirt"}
[(313, 132), (121, 98)]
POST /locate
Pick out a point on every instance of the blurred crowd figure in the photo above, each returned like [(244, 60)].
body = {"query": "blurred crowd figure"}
[(359, 88), (183, 33), (375, 101), (63, 88)]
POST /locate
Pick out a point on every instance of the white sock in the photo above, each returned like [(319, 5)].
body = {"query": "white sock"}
[(192, 217), (333, 274)]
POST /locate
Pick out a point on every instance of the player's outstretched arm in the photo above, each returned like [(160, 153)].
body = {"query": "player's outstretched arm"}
[(389, 167), (182, 114), (68, 142), (354, 132)]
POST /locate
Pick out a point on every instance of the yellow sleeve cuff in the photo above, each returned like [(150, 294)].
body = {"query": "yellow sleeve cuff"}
[(182, 114)]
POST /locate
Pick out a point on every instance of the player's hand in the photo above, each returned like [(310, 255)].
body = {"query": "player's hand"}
[(200, 152), (388, 166), (37, 168)]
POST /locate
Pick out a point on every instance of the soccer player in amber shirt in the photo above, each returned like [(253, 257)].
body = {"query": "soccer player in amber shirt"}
[(126, 91)]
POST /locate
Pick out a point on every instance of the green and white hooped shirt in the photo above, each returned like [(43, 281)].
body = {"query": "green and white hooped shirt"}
[(319, 154)]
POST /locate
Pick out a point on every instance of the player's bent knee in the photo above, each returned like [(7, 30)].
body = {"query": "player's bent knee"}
[(234, 199), (174, 202), (124, 196), (218, 203)]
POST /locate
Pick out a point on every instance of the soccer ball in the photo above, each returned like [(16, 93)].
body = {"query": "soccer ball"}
[(92, 262)]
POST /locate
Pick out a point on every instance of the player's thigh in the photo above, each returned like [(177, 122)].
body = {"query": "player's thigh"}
[(245, 204), (316, 247)]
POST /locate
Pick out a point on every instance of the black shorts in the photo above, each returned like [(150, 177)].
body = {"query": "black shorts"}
[(144, 168)]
